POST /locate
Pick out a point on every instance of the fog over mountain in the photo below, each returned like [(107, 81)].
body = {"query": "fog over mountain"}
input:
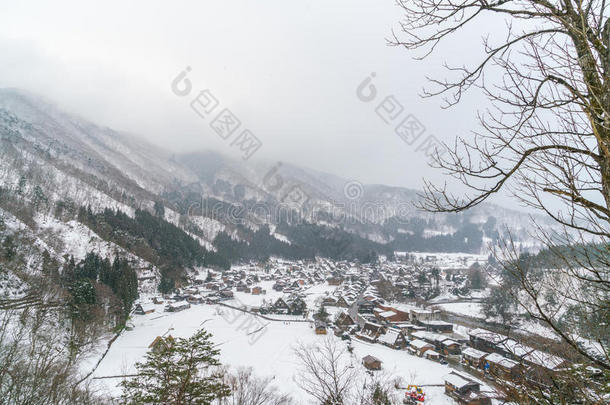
[(100, 168), (116, 71)]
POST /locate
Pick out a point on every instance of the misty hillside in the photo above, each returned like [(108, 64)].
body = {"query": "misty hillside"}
[(73, 187)]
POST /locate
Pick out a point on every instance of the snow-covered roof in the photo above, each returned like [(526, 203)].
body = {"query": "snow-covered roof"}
[(449, 342), (435, 322), (516, 348), (178, 304), (543, 359), (147, 307), (472, 352), (389, 338), (457, 380), (487, 335), (387, 314), (500, 360), (425, 335), (419, 344)]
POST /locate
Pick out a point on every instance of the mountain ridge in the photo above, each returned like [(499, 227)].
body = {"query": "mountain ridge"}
[(73, 162)]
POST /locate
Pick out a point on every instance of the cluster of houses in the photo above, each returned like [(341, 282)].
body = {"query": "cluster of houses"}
[(363, 313), (292, 304), (483, 353), (423, 333), (502, 357)]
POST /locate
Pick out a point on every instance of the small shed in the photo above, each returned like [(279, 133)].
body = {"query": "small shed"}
[(320, 328), (432, 355), (371, 362)]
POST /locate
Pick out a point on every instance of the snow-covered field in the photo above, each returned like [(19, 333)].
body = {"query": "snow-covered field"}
[(269, 351), (448, 260), (473, 309)]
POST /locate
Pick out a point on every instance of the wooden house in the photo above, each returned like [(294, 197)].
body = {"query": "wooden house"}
[(486, 340), (370, 332), (432, 355), (344, 320), (161, 343), (366, 307), (320, 328), (334, 280), (177, 306), (542, 367), (473, 357), (144, 309), (499, 366), (226, 294), (435, 325), (419, 347), (464, 390), (280, 306), (341, 302), (450, 347), (195, 299), (371, 362), (394, 339)]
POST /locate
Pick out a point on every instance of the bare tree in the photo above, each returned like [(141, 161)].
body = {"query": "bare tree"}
[(328, 375), (326, 372), (379, 388), (34, 364), (248, 389), (545, 138)]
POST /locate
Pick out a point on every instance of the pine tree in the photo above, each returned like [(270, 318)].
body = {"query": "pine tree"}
[(177, 372), (159, 209), (322, 315), (166, 285)]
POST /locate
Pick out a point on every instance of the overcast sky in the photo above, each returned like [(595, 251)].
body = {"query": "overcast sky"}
[(288, 69)]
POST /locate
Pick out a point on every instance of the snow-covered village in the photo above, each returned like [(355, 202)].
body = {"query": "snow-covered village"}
[(437, 351), (347, 202)]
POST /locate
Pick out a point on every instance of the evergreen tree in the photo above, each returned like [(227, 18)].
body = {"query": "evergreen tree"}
[(159, 209), (82, 298), (177, 372), (39, 197), (166, 285), (21, 185), (322, 315)]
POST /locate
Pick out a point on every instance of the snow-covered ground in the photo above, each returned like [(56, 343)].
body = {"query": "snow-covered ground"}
[(447, 260), (473, 309), (269, 351)]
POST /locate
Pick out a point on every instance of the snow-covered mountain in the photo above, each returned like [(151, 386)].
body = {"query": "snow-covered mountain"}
[(52, 163)]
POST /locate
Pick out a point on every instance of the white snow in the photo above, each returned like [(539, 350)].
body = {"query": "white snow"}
[(269, 351)]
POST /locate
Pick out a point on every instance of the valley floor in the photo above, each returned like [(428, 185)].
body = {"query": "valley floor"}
[(249, 341)]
